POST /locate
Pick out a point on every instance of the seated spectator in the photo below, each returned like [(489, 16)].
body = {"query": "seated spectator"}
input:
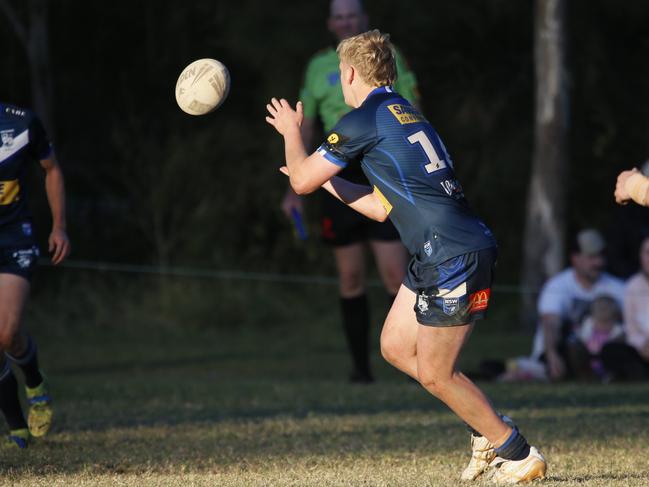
[(603, 325), (565, 301), (630, 360)]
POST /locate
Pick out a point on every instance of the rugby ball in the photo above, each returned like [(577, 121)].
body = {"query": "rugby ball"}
[(202, 86)]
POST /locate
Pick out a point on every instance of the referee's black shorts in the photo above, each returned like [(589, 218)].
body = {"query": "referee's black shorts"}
[(343, 226)]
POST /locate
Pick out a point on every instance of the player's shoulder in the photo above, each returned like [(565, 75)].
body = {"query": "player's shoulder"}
[(355, 122)]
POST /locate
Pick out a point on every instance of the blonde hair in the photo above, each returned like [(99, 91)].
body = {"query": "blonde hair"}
[(372, 54)]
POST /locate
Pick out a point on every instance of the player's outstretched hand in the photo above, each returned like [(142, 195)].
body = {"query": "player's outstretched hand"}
[(283, 117), (59, 245), (622, 197)]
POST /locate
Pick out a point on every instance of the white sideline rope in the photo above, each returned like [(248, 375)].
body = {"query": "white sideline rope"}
[(194, 272)]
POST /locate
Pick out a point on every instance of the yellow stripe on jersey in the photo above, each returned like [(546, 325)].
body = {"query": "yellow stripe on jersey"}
[(384, 201), (406, 114), (9, 192)]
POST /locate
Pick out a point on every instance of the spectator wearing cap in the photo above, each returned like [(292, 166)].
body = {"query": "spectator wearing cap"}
[(630, 360), (566, 298)]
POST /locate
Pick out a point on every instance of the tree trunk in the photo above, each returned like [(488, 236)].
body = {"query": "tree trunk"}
[(39, 62), (543, 250), (35, 39)]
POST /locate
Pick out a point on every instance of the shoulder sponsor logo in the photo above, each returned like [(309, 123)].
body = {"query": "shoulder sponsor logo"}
[(333, 138), (479, 301), (15, 111), (405, 114)]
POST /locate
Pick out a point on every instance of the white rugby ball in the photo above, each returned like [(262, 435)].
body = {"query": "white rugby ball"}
[(202, 86)]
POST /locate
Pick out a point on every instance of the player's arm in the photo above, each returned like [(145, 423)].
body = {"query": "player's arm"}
[(58, 242), (306, 173), (292, 200), (359, 197), (632, 185)]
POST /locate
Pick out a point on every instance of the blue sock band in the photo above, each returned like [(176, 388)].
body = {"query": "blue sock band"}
[(5, 371), (514, 448)]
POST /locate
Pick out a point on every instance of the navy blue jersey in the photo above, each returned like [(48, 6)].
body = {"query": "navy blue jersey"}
[(412, 173), (23, 141)]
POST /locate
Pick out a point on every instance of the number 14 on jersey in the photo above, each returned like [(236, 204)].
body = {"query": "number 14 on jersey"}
[(435, 162)]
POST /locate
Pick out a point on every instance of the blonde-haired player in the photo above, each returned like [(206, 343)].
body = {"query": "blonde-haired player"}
[(349, 234), (448, 284)]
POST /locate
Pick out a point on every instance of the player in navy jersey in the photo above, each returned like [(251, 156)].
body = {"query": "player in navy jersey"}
[(23, 142), (448, 283)]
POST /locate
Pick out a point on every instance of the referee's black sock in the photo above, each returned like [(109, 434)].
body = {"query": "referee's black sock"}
[(28, 363), (356, 323), (9, 403)]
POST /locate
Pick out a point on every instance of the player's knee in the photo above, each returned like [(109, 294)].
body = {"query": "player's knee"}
[(391, 347), (433, 382)]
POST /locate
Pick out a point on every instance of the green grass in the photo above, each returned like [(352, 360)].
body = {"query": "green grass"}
[(145, 398)]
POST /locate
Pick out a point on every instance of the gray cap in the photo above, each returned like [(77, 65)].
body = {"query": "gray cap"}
[(590, 242)]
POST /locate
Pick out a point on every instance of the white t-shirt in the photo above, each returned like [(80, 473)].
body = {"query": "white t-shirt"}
[(562, 295)]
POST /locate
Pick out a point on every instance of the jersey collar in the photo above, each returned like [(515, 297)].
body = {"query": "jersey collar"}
[(380, 90)]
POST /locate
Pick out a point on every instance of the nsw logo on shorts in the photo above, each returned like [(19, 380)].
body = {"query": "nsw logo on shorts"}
[(450, 306)]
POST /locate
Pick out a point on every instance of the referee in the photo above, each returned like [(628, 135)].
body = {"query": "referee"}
[(346, 231)]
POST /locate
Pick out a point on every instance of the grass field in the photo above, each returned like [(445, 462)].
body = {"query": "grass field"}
[(148, 402)]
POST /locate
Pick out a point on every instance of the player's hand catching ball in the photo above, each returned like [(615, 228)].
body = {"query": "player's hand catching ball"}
[(283, 117)]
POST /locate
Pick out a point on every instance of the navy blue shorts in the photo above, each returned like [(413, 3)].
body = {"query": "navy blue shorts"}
[(343, 226), (18, 250), (455, 292)]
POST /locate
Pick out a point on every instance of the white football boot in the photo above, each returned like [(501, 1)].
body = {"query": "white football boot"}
[(530, 468), (482, 454)]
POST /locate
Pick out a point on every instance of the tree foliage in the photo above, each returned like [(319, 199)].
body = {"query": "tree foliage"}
[(148, 183)]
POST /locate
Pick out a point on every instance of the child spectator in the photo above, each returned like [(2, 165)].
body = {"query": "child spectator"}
[(603, 325)]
